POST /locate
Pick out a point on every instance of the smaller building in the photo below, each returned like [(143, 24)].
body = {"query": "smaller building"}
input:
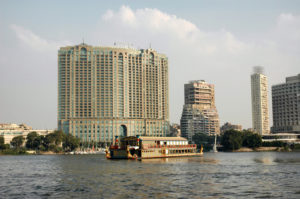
[(9, 131), (12, 126), (228, 126), (283, 137)]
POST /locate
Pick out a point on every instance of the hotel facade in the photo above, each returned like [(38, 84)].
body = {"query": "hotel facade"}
[(286, 106), (110, 91)]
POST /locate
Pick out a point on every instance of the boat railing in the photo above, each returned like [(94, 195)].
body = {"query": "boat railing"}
[(170, 146), (114, 147)]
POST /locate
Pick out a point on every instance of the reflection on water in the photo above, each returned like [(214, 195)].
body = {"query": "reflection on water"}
[(272, 158), (215, 175), (297, 160), (264, 158), (201, 160)]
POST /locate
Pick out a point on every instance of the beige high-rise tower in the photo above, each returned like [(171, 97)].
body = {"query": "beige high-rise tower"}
[(260, 108), (105, 92), (199, 113)]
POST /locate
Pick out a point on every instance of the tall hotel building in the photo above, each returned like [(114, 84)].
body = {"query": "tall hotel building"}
[(109, 91), (199, 113), (260, 109), (286, 106)]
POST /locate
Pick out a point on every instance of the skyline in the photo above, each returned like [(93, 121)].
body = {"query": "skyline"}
[(218, 43)]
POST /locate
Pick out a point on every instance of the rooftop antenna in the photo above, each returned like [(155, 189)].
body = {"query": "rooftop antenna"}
[(150, 45), (82, 40)]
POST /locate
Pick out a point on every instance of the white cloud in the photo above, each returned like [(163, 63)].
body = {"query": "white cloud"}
[(34, 41), (219, 56), (153, 21), (287, 33)]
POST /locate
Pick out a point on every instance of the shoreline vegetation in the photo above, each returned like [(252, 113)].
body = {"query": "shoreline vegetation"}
[(59, 143), (242, 141), (53, 143)]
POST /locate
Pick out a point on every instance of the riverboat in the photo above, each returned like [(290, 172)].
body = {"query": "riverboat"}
[(144, 147)]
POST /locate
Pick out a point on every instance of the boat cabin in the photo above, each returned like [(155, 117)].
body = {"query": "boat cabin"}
[(149, 142), (151, 147)]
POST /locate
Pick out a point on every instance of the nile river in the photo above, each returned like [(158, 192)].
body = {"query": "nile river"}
[(219, 175)]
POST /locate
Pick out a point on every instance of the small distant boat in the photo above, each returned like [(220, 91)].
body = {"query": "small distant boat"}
[(144, 147)]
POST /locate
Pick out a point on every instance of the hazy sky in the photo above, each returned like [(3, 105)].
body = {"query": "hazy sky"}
[(217, 41)]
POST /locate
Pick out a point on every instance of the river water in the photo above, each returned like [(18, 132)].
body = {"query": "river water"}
[(215, 175)]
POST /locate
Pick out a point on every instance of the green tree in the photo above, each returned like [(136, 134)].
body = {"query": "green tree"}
[(47, 141), (30, 140), (245, 136), (17, 141), (232, 140), (1, 140), (70, 143), (254, 141), (53, 140), (38, 143), (3, 146), (58, 137), (203, 139)]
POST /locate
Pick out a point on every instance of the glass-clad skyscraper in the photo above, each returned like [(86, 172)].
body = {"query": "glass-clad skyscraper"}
[(109, 91)]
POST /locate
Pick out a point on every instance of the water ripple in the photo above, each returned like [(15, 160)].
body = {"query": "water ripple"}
[(221, 175)]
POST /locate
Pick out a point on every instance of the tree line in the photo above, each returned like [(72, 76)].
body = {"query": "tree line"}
[(55, 142), (234, 140)]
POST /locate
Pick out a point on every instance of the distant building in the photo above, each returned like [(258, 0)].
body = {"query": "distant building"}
[(286, 106), (105, 92), (11, 126), (290, 138), (9, 131), (199, 113), (250, 129), (175, 130), (260, 108), (228, 126)]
